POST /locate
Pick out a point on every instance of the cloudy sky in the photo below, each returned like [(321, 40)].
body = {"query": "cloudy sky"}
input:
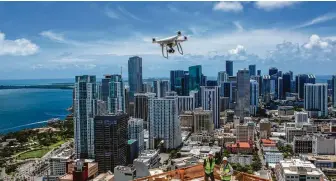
[(64, 39)]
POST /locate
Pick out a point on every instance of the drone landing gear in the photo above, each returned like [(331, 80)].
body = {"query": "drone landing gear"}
[(179, 48), (165, 55)]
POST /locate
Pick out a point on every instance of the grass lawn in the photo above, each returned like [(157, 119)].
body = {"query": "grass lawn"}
[(34, 154), (38, 153)]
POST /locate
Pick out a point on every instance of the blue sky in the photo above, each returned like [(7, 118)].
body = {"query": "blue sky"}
[(64, 39)]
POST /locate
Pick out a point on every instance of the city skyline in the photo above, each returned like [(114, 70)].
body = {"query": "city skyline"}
[(100, 37)]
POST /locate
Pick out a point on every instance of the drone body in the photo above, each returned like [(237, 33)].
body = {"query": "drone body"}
[(168, 44)]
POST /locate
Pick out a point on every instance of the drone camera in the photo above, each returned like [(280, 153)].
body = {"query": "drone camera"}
[(153, 40), (185, 38), (179, 33)]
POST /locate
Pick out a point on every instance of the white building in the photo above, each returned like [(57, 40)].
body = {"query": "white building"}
[(116, 97), (136, 131), (273, 157), (323, 145), (245, 133), (186, 103), (210, 101), (58, 163), (297, 170), (147, 160), (254, 95), (301, 118), (316, 99), (164, 123), (124, 173), (222, 77), (84, 113)]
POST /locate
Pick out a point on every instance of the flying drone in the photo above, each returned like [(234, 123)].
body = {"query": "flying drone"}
[(168, 44)]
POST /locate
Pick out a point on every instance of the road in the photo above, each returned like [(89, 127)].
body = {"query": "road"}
[(260, 153), (37, 167)]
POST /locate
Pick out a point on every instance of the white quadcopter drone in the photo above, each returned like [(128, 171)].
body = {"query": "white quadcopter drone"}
[(170, 42)]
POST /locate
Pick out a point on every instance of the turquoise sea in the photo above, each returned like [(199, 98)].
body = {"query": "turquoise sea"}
[(29, 108)]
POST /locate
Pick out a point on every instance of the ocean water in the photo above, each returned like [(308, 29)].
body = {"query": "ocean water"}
[(28, 108)]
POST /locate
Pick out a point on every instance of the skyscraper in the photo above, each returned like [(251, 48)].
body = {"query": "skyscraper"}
[(195, 77), (134, 76), (243, 94), (225, 90), (184, 85), (141, 106), (281, 95), (175, 78), (316, 98), (302, 79), (210, 101), (116, 98), (110, 141), (266, 88), (259, 72), (164, 87), (84, 112), (333, 89), (252, 70), (286, 82), (164, 123), (229, 67), (254, 95), (222, 77), (136, 131), (105, 90), (156, 87), (272, 71)]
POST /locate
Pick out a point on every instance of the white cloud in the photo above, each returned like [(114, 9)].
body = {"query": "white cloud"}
[(317, 20), (238, 26), (111, 14), (127, 13), (272, 5), (53, 36), (228, 6), (18, 47)]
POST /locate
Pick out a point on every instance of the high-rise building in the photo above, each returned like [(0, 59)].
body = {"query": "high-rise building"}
[(116, 98), (254, 95), (127, 102), (286, 83), (202, 120), (110, 141), (301, 80), (222, 77), (203, 80), (301, 118), (266, 88), (316, 99), (136, 132), (141, 106), (185, 103), (281, 94), (252, 70), (229, 67), (333, 89), (157, 88), (164, 123), (164, 87), (259, 72), (272, 71), (175, 79), (147, 87), (195, 77), (134, 76), (184, 89), (225, 90), (210, 101), (105, 89), (245, 133), (84, 112), (243, 94)]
